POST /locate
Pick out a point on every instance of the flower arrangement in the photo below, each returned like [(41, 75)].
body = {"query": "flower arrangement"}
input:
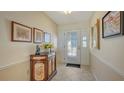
[(47, 45)]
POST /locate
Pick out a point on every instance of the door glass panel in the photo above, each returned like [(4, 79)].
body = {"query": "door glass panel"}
[(84, 44), (84, 38), (72, 44), (84, 41)]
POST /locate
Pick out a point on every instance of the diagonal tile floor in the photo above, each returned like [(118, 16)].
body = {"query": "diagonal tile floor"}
[(73, 74)]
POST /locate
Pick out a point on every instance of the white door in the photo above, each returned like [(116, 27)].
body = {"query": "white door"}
[(76, 50), (72, 47)]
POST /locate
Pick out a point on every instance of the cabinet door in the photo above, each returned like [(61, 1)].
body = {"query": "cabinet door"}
[(53, 63), (50, 67), (39, 71)]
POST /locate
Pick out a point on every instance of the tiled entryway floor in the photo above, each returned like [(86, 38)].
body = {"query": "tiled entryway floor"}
[(73, 74)]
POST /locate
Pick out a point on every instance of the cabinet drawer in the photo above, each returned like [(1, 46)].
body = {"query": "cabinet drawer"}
[(38, 58)]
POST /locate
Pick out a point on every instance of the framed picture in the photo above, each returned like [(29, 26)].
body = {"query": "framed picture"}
[(112, 24), (38, 35), (21, 33), (91, 37), (47, 37), (95, 35)]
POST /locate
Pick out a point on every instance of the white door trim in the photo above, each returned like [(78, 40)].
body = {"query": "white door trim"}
[(76, 59)]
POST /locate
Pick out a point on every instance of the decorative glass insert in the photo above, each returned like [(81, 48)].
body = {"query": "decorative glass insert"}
[(72, 44), (84, 41)]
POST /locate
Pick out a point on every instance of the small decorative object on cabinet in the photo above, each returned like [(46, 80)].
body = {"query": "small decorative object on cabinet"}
[(37, 50), (47, 47), (43, 66)]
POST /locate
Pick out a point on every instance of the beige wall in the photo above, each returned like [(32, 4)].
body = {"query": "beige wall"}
[(108, 62), (16, 72), (14, 56)]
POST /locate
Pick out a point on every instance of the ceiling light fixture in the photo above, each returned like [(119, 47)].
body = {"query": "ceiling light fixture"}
[(67, 12)]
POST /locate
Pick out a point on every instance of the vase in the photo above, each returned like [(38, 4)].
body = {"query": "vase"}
[(47, 50)]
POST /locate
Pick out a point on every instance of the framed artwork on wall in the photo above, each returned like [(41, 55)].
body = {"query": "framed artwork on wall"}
[(47, 37), (91, 38), (112, 24), (38, 35), (95, 35), (21, 33)]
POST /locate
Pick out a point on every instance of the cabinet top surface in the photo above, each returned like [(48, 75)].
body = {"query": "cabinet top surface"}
[(45, 54)]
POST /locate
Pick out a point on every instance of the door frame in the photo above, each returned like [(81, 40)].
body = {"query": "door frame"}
[(61, 46), (79, 45)]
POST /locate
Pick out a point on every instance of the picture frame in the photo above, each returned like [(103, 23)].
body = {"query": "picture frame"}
[(47, 37), (112, 24), (38, 35), (95, 35), (91, 37), (20, 32)]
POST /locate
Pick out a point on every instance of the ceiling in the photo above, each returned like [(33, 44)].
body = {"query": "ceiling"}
[(75, 17)]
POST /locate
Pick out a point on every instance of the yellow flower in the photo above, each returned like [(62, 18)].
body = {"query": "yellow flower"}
[(47, 45)]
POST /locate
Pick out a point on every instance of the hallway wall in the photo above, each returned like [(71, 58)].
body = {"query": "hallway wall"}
[(15, 56), (108, 62)]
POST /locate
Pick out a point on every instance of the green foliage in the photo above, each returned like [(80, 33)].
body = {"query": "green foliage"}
[(47, 45)]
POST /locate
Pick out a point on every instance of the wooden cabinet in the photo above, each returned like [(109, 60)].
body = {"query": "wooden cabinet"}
[(43, 67)]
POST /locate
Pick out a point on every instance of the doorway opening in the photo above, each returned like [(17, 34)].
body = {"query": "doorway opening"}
[(76, 47)]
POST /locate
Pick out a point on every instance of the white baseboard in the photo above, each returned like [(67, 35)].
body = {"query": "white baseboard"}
[(94, 76)]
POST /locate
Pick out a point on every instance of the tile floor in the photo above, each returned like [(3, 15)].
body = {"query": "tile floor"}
[(73, 74)]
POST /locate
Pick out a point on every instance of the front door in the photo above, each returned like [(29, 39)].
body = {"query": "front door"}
[(72, 47)]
